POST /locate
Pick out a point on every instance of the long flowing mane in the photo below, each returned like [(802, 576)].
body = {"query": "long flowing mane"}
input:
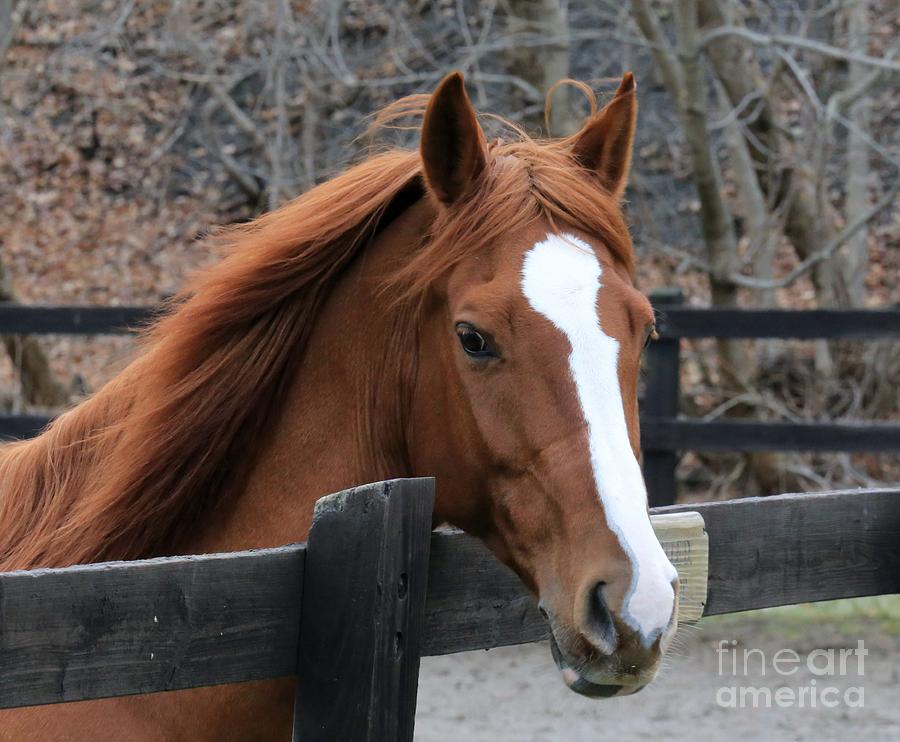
[(128, 472)]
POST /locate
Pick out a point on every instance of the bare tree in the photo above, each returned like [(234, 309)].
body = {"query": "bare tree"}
[(779, 175), (543, 66), (855, 259), (781, 120)]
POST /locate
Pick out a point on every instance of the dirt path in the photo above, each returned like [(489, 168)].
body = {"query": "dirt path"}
[(515, 694)]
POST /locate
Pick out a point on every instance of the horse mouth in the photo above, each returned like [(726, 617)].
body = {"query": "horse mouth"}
[(576, 682), (586, 688)]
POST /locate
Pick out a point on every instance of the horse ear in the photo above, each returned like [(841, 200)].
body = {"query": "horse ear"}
[(453, 146), (604, 143)]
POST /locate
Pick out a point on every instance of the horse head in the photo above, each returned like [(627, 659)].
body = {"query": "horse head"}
[(526, 407)]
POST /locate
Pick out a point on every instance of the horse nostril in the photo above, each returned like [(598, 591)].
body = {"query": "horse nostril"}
[(600, 621)]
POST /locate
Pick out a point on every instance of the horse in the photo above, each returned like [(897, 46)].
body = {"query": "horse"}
[(467, 311)]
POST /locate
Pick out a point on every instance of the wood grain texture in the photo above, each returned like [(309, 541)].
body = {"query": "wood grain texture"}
[(365, 584), (662, 391), (474, 601), (801, 548), (835, 324), (744, 435), (135, 627), (17, 319), (89, 631), (762, 552), (14, 427), (673, 322)]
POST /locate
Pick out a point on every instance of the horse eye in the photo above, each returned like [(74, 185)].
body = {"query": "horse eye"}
[(472, 341)]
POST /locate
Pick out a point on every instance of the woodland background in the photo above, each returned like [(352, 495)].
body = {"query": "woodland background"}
[(766, 171)]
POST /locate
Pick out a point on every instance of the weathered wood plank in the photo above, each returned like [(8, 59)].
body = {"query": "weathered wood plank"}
[(661, 397), (835, 324), (673, 322), (801, 548), (762, 552), (13, 427), (89, 631), (663, 437), (18, 319), (745, 435), (365, 585), (475, 602), (160, 624)]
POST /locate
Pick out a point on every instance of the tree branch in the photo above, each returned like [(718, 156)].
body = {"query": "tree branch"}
[(718, 231), (799, 42), (666, 61), (830, 248)]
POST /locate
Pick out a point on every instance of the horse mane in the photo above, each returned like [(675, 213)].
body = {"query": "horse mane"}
[(128, 473)]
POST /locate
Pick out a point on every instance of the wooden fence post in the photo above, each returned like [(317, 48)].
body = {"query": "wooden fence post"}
[(661, 395), (363, 610)]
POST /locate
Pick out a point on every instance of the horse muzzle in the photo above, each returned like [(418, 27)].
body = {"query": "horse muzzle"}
[(615, 664)]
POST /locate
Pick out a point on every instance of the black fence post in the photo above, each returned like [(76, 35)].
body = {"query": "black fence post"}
[(661, 394), (363, 610)]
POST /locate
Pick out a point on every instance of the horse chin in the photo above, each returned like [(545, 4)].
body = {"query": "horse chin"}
[(581, 685), (584, 687)]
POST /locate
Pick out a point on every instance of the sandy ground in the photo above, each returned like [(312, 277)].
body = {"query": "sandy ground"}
[(515, 693)]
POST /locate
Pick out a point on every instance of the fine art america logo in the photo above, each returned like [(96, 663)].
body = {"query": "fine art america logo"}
[(799, 681)]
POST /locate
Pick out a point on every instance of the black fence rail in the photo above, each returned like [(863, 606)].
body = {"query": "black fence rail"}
[(664, 434), (351, 611), (17, 319)]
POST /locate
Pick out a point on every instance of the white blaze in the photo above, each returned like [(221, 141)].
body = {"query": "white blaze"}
[(561, 280)]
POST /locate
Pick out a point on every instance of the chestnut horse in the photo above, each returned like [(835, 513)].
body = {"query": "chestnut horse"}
[(465, 311)]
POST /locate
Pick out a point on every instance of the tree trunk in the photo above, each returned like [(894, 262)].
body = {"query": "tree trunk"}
[(718, 228), (806, 227), (542, 66), (39, 386), (855, 257)]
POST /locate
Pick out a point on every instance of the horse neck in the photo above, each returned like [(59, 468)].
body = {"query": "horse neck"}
[(342, 420)]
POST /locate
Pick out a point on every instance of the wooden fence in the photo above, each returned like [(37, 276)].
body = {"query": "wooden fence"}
[(17, 319), (351, 611), (663, 432)]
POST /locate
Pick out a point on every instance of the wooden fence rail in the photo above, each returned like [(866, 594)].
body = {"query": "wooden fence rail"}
[(17, 319), (343, 612), (664, 435), (374, 589)]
